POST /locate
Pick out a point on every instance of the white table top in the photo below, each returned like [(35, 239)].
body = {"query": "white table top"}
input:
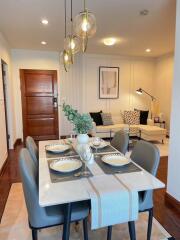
[(77, 190)]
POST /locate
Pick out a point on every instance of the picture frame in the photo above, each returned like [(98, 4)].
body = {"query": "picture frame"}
[(108, 82)]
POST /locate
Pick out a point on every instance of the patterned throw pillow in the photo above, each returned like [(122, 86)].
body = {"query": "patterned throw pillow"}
[(132, 117), (107, 119)]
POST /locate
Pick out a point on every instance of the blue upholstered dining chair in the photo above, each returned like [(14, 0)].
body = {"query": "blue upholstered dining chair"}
[(120, 141), (32, 147), (43, 217), (147, 156)]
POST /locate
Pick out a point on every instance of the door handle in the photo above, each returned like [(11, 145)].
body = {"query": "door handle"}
[(55, 102)]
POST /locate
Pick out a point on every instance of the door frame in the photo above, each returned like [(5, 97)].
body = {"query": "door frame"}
[(5, 94), (23, 99)]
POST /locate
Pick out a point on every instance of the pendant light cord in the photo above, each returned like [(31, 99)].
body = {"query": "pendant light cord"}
[(71, 18), (71, 12), (65, 18), (84, 5)]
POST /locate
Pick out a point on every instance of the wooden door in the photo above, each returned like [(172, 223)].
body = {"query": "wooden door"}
[(39, 104)]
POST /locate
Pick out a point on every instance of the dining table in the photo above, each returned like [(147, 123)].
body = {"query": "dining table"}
[(56, 189)]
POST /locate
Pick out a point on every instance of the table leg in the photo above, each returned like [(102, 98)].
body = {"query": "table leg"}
[(67, 221), (132, 230), (109, 232)]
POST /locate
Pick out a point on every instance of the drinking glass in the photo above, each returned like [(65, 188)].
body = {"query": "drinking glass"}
[(96, 143), (86, 155)]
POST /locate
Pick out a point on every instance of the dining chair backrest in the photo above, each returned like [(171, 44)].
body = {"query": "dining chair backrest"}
[(29, 177), (120, 141), (147, 156), (32, 147)]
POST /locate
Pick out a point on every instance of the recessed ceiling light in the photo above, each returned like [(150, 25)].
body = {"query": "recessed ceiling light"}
[(109, 41), (148, 50), (43, 43), (144, 12), (44, 21)]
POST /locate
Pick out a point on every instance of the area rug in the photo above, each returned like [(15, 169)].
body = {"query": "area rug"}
[(14, 224)]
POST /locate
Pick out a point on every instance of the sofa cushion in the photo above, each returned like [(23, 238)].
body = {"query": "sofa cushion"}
[(107, 119), (114, 128), (132, 117), (96, 116), (152, 130), (143, 116), (117, 118)]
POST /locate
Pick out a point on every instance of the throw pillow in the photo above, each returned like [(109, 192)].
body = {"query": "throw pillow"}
[(143, 116), (132, 117), (96, 116), (107, 119)]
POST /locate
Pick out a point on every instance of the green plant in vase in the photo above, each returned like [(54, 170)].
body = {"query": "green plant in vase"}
[(83, 123)]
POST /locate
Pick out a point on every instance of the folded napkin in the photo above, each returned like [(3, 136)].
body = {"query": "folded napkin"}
[(111, 201)]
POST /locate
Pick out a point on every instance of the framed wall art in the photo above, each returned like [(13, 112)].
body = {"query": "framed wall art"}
[(108, 82)]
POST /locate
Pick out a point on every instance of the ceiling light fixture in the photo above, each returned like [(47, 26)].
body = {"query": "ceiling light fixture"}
[(144, 12), (44, 21), (148, 50), (85, 26), (67, 55), (72, 42), (43, 43), (109, 41)]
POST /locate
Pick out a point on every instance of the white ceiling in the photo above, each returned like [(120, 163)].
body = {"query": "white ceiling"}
[(20, 23)]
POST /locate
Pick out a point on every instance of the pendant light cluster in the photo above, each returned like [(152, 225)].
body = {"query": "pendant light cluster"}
[(82, 28)]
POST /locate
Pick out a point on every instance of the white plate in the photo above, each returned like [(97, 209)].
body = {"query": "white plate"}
[(115, 160), (102, 145), (66, 165), (58, 148)]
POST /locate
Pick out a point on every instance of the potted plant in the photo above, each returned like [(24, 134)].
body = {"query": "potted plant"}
[(83, 123)]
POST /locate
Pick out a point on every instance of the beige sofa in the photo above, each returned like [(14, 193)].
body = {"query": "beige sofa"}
[(147, 132)]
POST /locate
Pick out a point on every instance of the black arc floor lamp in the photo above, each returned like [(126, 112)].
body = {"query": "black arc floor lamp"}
[(140, 91)]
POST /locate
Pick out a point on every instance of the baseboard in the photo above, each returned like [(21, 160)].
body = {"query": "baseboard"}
[(170, 200), (17, 142)]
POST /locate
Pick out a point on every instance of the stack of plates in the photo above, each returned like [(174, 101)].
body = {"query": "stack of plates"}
[(57, 148), (115, 160), (66, 165)]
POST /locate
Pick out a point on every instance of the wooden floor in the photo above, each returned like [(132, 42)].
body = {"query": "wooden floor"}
[(166, 215)]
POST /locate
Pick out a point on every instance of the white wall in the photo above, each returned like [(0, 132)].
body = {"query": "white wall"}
[(5, 55), (163, 84), (173, 187), (133, 73)]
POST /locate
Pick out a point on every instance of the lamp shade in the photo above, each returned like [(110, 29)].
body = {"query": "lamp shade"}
[(139, 91), (85, 24), (72, 44), (67, 60)]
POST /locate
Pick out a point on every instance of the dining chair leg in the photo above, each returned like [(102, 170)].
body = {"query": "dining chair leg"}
[(67, 221), (34, 234), (132, 230), (85, 228), (150, 220), (109, 232)]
